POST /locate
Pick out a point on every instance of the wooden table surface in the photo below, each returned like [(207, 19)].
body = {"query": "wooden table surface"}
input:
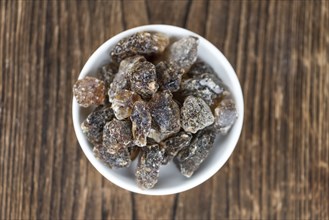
[(279, 169)]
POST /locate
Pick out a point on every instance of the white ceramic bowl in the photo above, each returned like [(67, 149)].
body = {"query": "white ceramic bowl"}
[(170, 181)]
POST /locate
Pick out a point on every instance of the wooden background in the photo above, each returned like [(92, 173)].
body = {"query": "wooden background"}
[(280, 51)]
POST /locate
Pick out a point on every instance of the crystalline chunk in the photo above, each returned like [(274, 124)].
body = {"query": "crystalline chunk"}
[(122, 103), (169, 76), (121, 80), (143, 79), (184, 52), (190, 158), (195, 114), (119, 160), (93, 126), (156, 135), (107, 73), (148, 167), (165, 116), (225, 115), (141, 123), (130, 62), (199, 68), (117, 135), (174, 144), (210, 83), (204, 86), (89, 91), (142, 43)]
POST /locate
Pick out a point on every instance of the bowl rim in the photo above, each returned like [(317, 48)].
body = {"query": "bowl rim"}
[(207, 175)]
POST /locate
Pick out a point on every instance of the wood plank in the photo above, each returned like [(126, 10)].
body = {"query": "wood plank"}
[(280, 51)]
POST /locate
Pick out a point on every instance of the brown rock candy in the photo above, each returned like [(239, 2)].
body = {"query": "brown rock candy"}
[(225, 115), (174, 144), (199, 68), (118, 160), (107, 73), (122, 103), (142, 43), (156, 135), (184, 52), (141, 123), (169, 76), (195, 114), (93, 126), (143, 79), (204, 86), (165, 116), (147, 173), (121, 80), (127, 64), (89, 91), (117, 135), (190, 158)]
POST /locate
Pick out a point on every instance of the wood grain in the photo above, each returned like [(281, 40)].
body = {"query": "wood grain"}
[(280, 51)]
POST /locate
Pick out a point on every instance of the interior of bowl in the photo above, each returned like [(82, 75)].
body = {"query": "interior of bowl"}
[(170, 181)]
